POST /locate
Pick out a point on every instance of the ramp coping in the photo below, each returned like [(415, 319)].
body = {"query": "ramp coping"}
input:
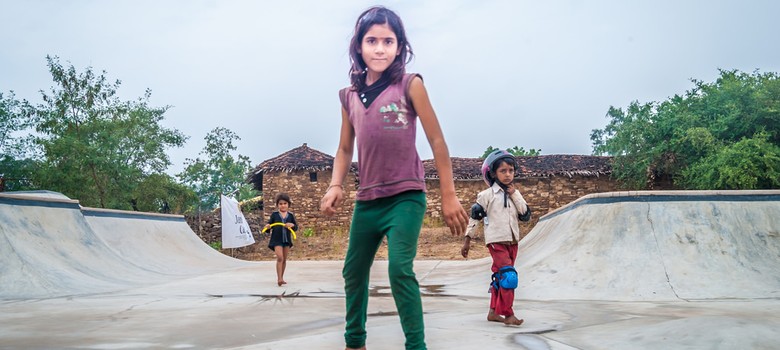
[(652, 196)]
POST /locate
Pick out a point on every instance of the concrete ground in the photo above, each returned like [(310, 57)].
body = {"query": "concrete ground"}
[(623, 270)]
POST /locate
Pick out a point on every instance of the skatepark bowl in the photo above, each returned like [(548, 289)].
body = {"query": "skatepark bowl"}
[(618, 270)]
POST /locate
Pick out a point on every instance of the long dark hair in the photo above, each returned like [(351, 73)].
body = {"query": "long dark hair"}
[(378, 15)]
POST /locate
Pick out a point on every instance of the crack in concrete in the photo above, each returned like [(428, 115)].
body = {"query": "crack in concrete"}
[(660, 254)]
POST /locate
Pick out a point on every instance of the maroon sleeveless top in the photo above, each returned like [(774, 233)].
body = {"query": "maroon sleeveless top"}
[(385, 134)]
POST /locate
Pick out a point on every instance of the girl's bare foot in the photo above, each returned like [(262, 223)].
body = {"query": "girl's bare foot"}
[(513, 321), (492, 317), (280, 283)]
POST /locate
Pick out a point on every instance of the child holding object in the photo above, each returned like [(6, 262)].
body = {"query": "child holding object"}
[(281, 239), (500, 207)]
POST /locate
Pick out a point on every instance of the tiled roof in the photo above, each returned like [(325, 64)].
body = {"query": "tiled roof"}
[(564, 165), (299, 158), (530, 166), (306, 158)]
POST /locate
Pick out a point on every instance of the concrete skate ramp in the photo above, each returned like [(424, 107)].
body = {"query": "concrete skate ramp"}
[(655, 246), (648, 270), (49, 249), (163, 243)]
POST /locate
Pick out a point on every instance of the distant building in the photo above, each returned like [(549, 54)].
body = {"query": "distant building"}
[(547, 182)]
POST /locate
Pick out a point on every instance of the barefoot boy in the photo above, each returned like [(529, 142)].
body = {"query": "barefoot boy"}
[(500, 206)]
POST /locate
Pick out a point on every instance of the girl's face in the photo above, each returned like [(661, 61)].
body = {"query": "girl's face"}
[(282, 205), (505, 173), (378, 50)]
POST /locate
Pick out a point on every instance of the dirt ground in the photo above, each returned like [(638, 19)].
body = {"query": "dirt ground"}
[(435, 243)]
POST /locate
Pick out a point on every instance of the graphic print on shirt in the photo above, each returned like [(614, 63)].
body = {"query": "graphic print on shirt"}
[(394, 116)]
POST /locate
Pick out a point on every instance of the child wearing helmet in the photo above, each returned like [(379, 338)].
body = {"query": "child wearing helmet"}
[(499, 207)]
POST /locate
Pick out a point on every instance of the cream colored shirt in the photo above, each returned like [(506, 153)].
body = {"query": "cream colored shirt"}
[(501, 223)]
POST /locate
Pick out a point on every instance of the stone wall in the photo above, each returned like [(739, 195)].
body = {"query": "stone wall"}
[(306, 189), (543, 194), (208, 225), (549, 193)]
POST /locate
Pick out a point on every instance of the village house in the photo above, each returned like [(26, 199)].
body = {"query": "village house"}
[(547, 182)]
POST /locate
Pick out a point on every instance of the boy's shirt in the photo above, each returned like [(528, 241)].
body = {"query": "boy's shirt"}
[(501, 222)]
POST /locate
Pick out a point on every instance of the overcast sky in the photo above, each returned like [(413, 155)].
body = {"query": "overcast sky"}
[(534, 74)]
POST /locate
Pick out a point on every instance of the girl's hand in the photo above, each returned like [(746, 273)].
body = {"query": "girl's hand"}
[(454, 215), (332, 200), (289, 225), (267, 226)]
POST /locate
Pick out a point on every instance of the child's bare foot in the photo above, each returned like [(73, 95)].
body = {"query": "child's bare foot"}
[(492, 317), (363, 348), (280, 283), (513, 321)]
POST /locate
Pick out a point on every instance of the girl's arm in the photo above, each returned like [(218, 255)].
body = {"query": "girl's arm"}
[(294, 222), (335, 193), (270, 221), (454, 215)]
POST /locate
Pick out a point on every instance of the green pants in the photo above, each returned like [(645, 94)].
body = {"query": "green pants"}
[(399, 218)]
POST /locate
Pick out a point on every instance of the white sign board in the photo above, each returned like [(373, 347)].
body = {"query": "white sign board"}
[(235, 229)]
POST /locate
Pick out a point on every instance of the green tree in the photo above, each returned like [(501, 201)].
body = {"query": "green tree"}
[(161, 193), (95, 147), (719, 135), (219, 173), (752, 163), (17, 161), (516, 151)]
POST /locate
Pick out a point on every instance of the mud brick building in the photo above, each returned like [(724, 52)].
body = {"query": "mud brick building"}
[(547, 182)]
